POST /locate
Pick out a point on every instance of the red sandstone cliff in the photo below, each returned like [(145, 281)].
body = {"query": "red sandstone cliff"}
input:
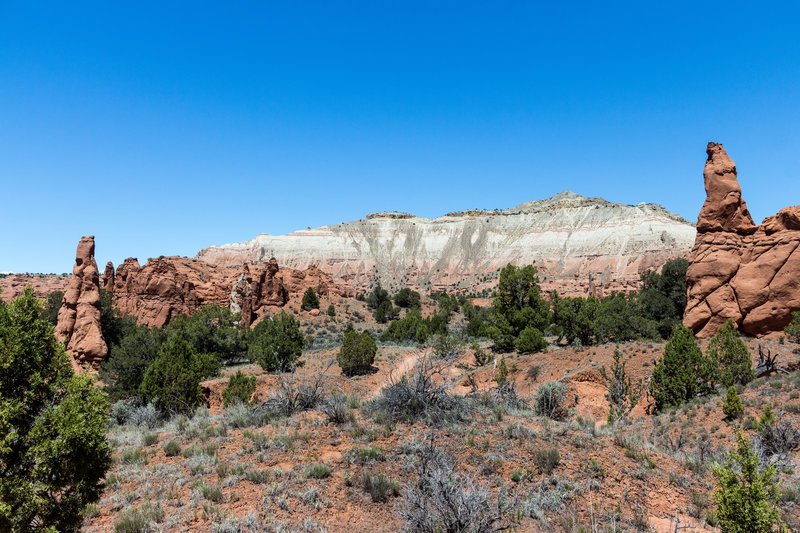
[(740, 271), (170, 286)]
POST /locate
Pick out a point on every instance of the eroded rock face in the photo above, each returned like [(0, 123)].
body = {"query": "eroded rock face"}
[(79, 317), (738, 270), (167, 287), (107, 280), (567, 237)]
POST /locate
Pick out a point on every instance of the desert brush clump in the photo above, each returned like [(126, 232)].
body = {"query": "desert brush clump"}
[(357, 352), (53, 450), (240, 389), (442, 499), (622, 394), (419, 396), (549, 400), (792, 331)]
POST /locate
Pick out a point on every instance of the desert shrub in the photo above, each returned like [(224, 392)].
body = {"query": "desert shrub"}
[(792, 331), (172, 382), (357, 352), (530, 340), (477, 320), (443, 499), (745, 492), (777, 437), (418, 396), (336, 408), (277, 343), (369, 454), (533, 372), (317, 471), (295, 395), (128, 360), (378, 296), (732, 406), (172, 449), (730, 356), (310, 300), (622, 394), (147, 415), (662, 297), (407, 298), (331, 310), (385, 312), (501, 373), (52, 305), (412, 327), (447, 346), (550, 398), (379, 487), (482, 358), (53, 450), (213, 329), (113, 325), (239, 415), (682, 373), (546, 459), (139, 519), (239, 390)]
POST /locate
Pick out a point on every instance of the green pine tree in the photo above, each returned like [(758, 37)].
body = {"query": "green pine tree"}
[(745, 492), (732, 358), (732, 406), (53, 451), (310, 300), (682, 373)]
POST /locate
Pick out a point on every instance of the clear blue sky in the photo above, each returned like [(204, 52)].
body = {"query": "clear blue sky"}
[(165, 127)]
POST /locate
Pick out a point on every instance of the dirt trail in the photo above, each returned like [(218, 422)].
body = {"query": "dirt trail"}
[(397, 369)]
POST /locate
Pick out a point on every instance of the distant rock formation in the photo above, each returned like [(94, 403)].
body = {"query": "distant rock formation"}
[(12, 285), (567, 237), (167, 287), (738, 270), (79, 317), (107, 280)]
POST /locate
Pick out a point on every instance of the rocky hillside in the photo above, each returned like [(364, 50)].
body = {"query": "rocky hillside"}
[(579, 244)]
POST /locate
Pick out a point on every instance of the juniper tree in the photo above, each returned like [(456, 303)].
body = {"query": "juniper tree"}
[(53, 451)]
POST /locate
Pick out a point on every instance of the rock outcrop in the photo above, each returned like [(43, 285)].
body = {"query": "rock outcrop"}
[(167, 287), (107, 280), (740, 271), (12, 285), (568, 237), (79, 317)]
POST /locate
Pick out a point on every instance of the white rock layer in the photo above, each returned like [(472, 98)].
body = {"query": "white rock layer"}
[(570, 238)]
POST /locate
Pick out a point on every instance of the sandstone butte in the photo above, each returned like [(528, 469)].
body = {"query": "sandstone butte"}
[(79, 317), (580, 246), (739, 271)]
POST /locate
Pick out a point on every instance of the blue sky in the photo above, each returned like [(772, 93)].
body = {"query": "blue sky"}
[(165, 127)]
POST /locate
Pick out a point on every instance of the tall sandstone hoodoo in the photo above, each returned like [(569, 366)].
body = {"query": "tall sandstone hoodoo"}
[(739, 271), (79, 317)]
